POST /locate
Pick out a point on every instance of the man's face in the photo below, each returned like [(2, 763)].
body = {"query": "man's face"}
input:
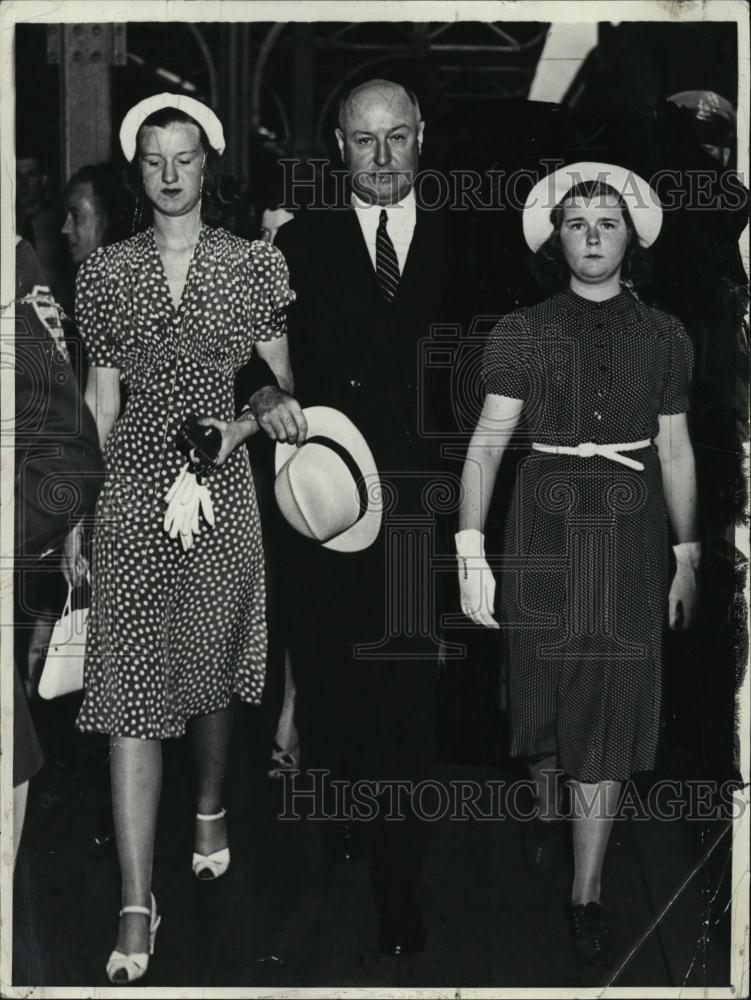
[(84, 223), (380, 142), (29, 183), (171, 161)]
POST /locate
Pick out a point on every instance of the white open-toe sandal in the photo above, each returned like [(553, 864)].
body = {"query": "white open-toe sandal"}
[(210, 866), (127, 968)]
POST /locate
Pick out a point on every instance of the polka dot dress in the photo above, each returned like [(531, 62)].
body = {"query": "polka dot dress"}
[(174, 633), (583, 571)]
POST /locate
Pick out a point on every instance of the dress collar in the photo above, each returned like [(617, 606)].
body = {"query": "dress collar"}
[(573, 303)]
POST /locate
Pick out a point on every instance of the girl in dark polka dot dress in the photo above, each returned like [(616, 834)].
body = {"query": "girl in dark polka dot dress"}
[(177, 618), (598, 384)]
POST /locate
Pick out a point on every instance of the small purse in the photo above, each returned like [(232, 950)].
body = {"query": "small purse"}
[(63, 667)]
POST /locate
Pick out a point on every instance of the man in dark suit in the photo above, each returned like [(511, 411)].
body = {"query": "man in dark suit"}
[(369, 278)]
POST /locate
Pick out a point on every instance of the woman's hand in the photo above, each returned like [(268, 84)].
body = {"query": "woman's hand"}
[(74, 564), (476, 581), (683, 598), (233, 432), (679, 486), (477, 590)]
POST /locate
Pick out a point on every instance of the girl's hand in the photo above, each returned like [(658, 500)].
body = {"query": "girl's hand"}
[(476, 581), (74, 564), (233, 432), (477, 590), (683, 598)]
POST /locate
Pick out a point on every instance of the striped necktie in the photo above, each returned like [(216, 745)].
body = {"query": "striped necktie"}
[(387, 266)]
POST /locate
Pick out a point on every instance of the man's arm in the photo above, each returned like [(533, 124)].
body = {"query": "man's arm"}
[(263, 392), (275, 354)]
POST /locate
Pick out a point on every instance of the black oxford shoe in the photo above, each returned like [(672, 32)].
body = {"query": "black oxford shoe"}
[(591, 934)]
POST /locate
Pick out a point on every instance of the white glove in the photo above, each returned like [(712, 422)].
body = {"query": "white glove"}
[(476, 581), (684, 590), (186, 500)]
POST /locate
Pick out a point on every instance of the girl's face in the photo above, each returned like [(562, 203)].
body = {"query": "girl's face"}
[(171, 161), (594, 237)]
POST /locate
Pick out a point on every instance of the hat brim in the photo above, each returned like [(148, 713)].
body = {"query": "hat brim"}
[(199, 112), (325, 421), (641, 200)]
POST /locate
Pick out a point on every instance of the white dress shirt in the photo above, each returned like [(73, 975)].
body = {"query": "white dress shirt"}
[(400, 225)]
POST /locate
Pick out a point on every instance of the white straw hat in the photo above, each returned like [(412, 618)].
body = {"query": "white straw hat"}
[(640, 199), (328, 488), (199, 112)]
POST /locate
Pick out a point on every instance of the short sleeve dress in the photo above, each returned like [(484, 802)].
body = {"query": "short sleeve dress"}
[(583, 572), (172, 633)]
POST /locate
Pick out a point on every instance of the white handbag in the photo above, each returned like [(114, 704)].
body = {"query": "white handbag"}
[(63, 667)]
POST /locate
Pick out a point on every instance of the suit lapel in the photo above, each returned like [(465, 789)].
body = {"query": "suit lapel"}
[(353, 254), (424, 251)]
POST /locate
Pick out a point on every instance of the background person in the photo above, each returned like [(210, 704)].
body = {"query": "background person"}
[(96, 213), (285, 752), (97, 210), (48, 406), (38, 213), (601, 385)]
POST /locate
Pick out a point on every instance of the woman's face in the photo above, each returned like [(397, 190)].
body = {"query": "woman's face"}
[(594, 237), (171, 161)]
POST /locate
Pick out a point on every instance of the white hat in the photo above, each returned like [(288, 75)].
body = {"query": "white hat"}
[(641, 201), (138, 114), (328, 488)]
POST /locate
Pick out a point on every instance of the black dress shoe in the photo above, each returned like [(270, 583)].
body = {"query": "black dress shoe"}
[(540, 841), (342, 840), (401, 930), (591, 934)]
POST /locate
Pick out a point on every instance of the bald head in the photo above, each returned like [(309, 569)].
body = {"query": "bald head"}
[(380, 138), (393, 94)]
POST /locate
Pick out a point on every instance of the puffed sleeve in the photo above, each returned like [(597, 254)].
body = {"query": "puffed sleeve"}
[(505, 368), (97, 304), (679, 372), (269, 290)]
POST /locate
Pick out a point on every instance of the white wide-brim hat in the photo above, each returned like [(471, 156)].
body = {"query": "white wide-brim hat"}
[(328, 488), (640, 199), (199, 112)]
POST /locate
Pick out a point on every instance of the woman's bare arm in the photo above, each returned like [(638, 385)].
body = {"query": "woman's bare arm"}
[(497, 422), (678, 475), (102, 396)]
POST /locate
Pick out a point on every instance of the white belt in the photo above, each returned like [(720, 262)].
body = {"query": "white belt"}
[(587, 450)]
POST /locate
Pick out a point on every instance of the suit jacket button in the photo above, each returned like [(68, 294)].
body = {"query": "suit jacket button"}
[(355, 383)]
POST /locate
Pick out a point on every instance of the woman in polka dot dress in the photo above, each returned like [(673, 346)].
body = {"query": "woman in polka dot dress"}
[(597, 384), (177, 624)]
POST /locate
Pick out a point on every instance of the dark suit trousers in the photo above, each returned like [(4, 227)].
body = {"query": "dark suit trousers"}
[(364, 715)]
